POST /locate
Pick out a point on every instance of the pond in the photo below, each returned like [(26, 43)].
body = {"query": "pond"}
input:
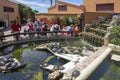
[(27, 54), (107, 70), (33, 59)]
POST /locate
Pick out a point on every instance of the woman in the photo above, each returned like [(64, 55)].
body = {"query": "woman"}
[(30, 25)]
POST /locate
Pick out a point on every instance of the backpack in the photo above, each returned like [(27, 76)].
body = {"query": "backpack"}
[(56, 28)]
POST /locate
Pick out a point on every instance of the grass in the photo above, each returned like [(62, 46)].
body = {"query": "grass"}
[(38, 76), (17, 53)]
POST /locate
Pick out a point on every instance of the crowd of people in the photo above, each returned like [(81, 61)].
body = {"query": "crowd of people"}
[(38, 26), (43, 26)]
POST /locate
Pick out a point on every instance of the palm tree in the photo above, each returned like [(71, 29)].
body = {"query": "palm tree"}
[(51, 2)]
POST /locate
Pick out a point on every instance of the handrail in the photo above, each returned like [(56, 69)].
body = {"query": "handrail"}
[(24, 33), (35, 38)]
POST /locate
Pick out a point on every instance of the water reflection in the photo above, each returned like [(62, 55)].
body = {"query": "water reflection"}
[(32, 70), (107, 70)]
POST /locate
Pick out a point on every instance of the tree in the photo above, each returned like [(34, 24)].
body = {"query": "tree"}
[(26, 12)]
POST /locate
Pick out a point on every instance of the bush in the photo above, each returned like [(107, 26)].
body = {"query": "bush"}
[(115, 31), (116, 41)]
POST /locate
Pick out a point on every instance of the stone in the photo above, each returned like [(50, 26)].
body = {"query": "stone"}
[(75, 73), (54, 49), (61, 67), (76, 52), (56, 67), (14, 65), (45, 64), (2, 63), (8, 64)]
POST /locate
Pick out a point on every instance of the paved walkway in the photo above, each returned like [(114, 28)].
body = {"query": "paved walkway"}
[(6, 32)]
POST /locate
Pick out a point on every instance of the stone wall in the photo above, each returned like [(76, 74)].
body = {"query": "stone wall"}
[(114, 47)]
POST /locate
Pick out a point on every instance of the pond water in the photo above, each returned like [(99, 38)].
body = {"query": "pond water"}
[(32, 70), (107, 70)]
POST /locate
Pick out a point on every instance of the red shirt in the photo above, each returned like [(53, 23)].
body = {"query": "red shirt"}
[(31, 26), (15, 27)]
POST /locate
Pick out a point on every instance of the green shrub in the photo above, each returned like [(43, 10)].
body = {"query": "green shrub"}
[(116, 41), (115, 31)]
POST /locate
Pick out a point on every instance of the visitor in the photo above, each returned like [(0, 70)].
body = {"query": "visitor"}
[(37, 25), (69, 29), (15, 28), (76, 30), (52, 27), (44, 29), (64, 31), (56, 28), (30, 26), (1, 34)]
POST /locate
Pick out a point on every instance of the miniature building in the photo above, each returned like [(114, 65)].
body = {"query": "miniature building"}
[(9, 11)]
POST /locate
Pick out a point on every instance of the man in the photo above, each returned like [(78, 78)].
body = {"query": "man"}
[(15, 28), (37, 25)]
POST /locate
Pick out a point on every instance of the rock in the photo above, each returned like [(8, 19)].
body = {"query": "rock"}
[(11, 59), (2, 63), (9, 56), (45, 64), (76, 52), (4, 59), (54, 49), (14, 65), (53, 75), (59, 51), (8, 64), (3, 68), (61, 67), (56, 67), (75, 73)]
